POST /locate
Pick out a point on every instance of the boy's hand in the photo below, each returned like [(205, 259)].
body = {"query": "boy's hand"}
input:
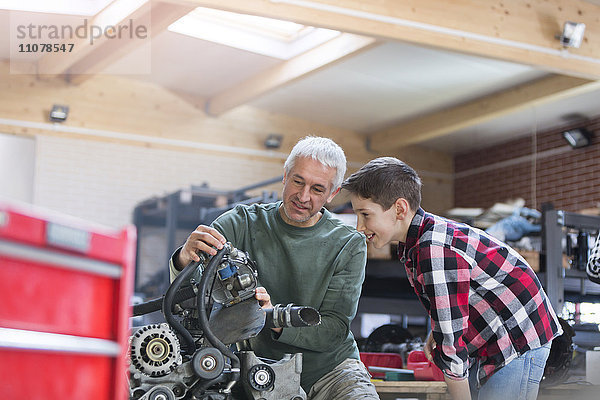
[(429, 346)]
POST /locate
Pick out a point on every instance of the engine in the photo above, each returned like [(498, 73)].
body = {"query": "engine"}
[(201, 352)]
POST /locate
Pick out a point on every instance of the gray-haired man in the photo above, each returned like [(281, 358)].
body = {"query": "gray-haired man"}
[(304, 256)]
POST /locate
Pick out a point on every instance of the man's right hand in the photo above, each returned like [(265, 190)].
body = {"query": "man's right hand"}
[(205, 239)]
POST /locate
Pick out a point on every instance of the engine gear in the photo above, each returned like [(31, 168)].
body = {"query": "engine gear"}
[(155, 350)]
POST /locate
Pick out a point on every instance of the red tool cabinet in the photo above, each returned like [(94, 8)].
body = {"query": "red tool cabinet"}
[(65, 288)]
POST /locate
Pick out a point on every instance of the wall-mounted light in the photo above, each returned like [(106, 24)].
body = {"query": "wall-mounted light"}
[(273, 141), (579, 137), (59, 113), (572, 34)]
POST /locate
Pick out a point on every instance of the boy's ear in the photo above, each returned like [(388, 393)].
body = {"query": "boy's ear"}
[(332, 195), (402, 208)]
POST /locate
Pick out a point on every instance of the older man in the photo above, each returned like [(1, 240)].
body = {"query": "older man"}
[(307, 257)]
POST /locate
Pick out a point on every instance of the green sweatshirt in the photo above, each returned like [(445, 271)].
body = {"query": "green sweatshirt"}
[(322, 266)]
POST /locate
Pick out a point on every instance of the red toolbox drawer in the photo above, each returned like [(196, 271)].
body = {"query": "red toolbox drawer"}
[(389, 360), (48, 298), (65, 288), (46, 375)]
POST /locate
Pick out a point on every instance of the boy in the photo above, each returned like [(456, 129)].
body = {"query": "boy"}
[(492, 323)]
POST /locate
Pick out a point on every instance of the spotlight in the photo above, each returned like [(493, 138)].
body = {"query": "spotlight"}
[(59, 113), (273, 141), (579, 137), (572, 34)]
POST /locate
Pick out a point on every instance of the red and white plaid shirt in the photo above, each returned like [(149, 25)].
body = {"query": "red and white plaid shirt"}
[(486, 303)]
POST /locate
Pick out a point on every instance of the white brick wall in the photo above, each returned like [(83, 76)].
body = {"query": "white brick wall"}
[(102, 182), (17, 160)]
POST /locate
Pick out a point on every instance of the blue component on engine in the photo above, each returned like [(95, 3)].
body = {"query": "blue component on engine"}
[(227, 271)]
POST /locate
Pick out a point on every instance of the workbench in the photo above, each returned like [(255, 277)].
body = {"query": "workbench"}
[(428, 390), (573, 390)]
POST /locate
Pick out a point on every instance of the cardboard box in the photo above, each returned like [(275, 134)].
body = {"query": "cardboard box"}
[(532, 257), (592, 367)]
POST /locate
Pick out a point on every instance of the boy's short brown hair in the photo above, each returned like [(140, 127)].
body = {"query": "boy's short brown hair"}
[(384, 180)]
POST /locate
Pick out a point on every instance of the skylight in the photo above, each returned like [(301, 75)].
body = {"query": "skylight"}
[(69, 7), (266, 36)]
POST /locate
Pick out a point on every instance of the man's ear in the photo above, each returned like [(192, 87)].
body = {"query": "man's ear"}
[(402, 208), (332, 195)]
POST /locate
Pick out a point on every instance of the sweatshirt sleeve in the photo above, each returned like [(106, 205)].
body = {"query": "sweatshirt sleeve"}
[(339, 304)]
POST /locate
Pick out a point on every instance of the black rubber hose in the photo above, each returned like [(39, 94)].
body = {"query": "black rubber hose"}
[(281, 316), (167, 306), (181, 295), (200, 387), (207, 276)]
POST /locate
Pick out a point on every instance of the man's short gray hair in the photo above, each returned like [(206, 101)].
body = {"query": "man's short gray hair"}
[(324, 150)]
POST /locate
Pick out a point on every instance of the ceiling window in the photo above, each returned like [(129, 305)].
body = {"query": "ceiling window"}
[(266, 36)]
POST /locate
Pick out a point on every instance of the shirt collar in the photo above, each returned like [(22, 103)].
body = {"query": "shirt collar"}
[(412, 237)]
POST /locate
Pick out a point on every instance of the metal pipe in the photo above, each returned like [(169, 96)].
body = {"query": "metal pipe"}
[(281, 316)]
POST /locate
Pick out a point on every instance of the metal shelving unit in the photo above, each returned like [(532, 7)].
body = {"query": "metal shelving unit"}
[(554, 274)]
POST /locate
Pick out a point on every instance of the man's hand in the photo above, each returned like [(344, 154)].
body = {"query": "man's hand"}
[(264, 300), (205, 239)]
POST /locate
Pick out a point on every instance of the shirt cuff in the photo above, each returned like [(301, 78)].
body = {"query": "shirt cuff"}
[(455, 377), (173, 272)]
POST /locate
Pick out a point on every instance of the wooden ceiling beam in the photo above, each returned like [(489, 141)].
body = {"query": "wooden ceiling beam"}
[(333, 51), (545, 90), (518, 31)]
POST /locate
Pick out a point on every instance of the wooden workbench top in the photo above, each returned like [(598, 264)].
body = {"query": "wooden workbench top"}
[(428, 390)]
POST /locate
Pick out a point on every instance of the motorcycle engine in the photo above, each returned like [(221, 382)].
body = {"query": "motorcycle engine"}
[(210, 310)]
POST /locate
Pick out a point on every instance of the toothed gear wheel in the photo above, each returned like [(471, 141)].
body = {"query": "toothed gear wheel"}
[(155, 350)]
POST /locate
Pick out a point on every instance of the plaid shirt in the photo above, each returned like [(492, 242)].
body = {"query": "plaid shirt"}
[(486, 303), (593, 264)]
